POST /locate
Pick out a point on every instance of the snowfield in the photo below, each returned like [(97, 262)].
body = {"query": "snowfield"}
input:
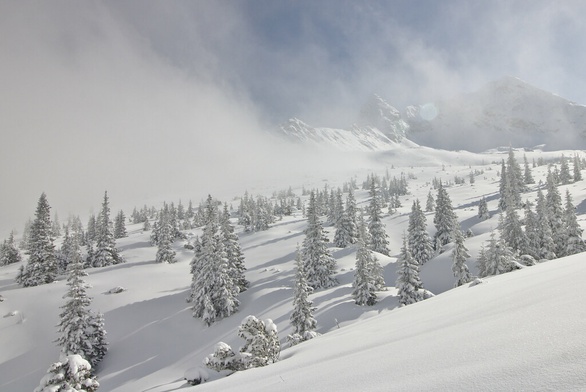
[(519, 331)]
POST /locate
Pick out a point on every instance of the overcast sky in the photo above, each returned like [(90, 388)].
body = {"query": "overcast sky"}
[(149, 98)]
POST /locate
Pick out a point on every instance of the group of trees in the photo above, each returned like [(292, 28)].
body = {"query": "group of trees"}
[(217, 268)]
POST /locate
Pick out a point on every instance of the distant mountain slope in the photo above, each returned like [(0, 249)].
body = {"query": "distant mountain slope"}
[(506, 111)]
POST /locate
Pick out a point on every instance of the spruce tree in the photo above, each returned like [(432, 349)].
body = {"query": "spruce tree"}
[(213, 293), (503, 186), (512, 233), (445, 219), (459, 256), (409, 286), (555, 216), (236, 268), (106, 252), (430, 203), (574, 242), (565, 176), (418, 239), (532, 232), (9, 253), (165, 253), (364, 282), (319, 265), (91, 228), (262, 344), (499, 258), (577, 169), (379, 240), (71, 373), (120, 225), (483, 213), (547, 246), (527, 176), (42, 263), (302, 319)]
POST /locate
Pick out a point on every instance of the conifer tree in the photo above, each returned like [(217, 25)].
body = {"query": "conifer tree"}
[(577, 169), (379, 240), (547, 245), (512, 233), (503, 186), (364, 282), (483, 213), (91, 228), (236, 268), (532, 232), (106, 252), (42, 263), (565, 176), (445, 219), (302, 319), (9, 253), (261, 341), (71, 373), (430, 203), (213, 293), (499, 258), (555, 216), (459, 256), (319, 265), (527, 176), (515, 176), (409, 286), (165, 254), (574, 242), (418, 239), (120, 225)]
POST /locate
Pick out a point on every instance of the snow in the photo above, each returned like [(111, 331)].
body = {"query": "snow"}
[(518, 331)]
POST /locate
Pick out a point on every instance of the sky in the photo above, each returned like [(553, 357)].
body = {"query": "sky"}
[(151, 100)]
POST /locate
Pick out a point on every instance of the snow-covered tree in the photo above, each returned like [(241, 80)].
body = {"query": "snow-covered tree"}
[(302, 319), (79, 328), (120, 225), (430, 203), (236, 268), (319, 264), (418, 238), (224, 358), (409, 286), (532, 232), (364, 282), (565, 176), (90, 233), (71, 373), (577, 169), (261, 341), (106, 252), (574, 242), (213, 293), (555, 216), (459, 256), (547, 246), (483, 213), (445, 219), (512, 233), (42, 263), (379, 240), (165, 253), (9, 253), (527, 176), (498, 258)]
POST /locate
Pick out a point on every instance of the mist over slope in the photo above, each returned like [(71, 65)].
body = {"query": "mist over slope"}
[(504, 112)]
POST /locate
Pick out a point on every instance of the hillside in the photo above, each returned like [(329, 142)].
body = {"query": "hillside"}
[(480, 337)]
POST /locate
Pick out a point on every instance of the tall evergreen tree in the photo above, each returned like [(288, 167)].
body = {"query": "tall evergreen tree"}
[(577, 169), (574, 242), (499, 258), (532, 232), (565, 176), (459, 256), (120, 225), (165, 253), (302, 319), (364, 282), (512, 233), (236, 268), (547, 245), (445, 219), (503, 186), (418, 239), (213, 293), (555, 216), (409, 286), (319, 265), (379, 240), (430, 203), (527, 176), (91, 228), (106, 252), (42, 263)]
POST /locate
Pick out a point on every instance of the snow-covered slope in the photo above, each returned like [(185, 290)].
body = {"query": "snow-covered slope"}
[(514, 332), (506, 111), (154, 339)]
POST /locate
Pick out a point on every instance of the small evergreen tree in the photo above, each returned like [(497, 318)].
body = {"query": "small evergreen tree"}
[(409, 286), (430, 203), (483, 213), (527, 176), (418, 239), (319, 265), (261, 341), (364, 283), (499, 258), (577, 169), (532, 232), (547, 245), (165, 254), (236, 268), (445, 219), (42, 263), (302, 319), (555, 216), (9, 253), (106, 252), (71, 373), (565, 176), (459, 256), (574, 242), (120, 225), (379, 240)]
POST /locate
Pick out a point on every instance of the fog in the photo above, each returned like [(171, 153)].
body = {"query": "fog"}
[(154, 100)]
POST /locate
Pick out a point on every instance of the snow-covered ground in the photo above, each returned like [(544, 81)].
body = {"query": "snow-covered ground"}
[(519, 331)]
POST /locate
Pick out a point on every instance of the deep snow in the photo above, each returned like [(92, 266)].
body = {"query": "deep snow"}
[(517, 331)]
